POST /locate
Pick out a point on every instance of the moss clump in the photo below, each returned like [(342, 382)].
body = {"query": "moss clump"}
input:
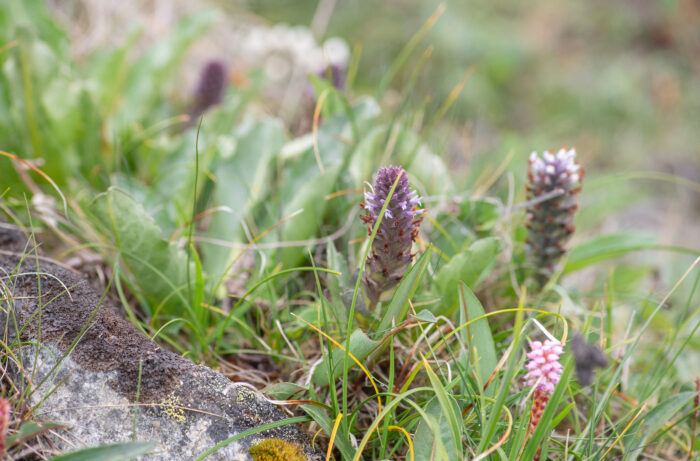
[(277, 450)]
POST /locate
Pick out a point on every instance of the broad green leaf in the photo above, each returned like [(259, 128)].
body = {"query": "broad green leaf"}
[(477, 337), (311, 198), (629, 278), (607, 247), (283, 391), (360, 347), (650, 422), (241, 180), (332, 104), (432, 438), (30, 429), (304, 187), (159, 267), (337, 284), (450, 412), (480, 214), (397, 309), (337, 262), (114, 452), (366, 109), (426, 316), (370, 146), (471, 266)]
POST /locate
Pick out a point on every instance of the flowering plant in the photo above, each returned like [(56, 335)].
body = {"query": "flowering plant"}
[(554, 182), (391, 249)]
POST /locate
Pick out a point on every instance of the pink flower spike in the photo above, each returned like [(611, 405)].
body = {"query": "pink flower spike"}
[(544, 369), (5, 413)]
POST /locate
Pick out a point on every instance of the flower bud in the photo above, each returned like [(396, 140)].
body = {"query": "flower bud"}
[(210, 89)]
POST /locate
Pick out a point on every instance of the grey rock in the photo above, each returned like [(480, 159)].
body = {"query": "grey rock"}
[(96, 388)]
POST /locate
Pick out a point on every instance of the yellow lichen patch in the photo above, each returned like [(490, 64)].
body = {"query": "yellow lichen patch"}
[(277, 450), (171, 407), (244, 395)]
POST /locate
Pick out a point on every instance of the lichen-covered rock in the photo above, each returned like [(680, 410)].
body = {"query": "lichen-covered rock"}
[(97, 389)]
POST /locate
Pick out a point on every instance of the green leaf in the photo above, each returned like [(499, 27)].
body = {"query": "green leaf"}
[(450, 412), (432, 437), (471, 266), (369, 146), (115, 452), (283, 391), (241, 180), (477, 337), (198, 289), (607, 247), (30, 429), (311, 198), (480, 214), (332, 104), (647, 424), (360, 347), (159, 268), (397, 309), (426, 316), (337, 284)]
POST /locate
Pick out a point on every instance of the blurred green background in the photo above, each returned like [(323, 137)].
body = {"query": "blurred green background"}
[(619, 80), (616, 80)]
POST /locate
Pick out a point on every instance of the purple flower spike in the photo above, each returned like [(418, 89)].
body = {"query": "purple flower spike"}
[(391, 249), (554, 179), (210, 89), (544, 369)]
